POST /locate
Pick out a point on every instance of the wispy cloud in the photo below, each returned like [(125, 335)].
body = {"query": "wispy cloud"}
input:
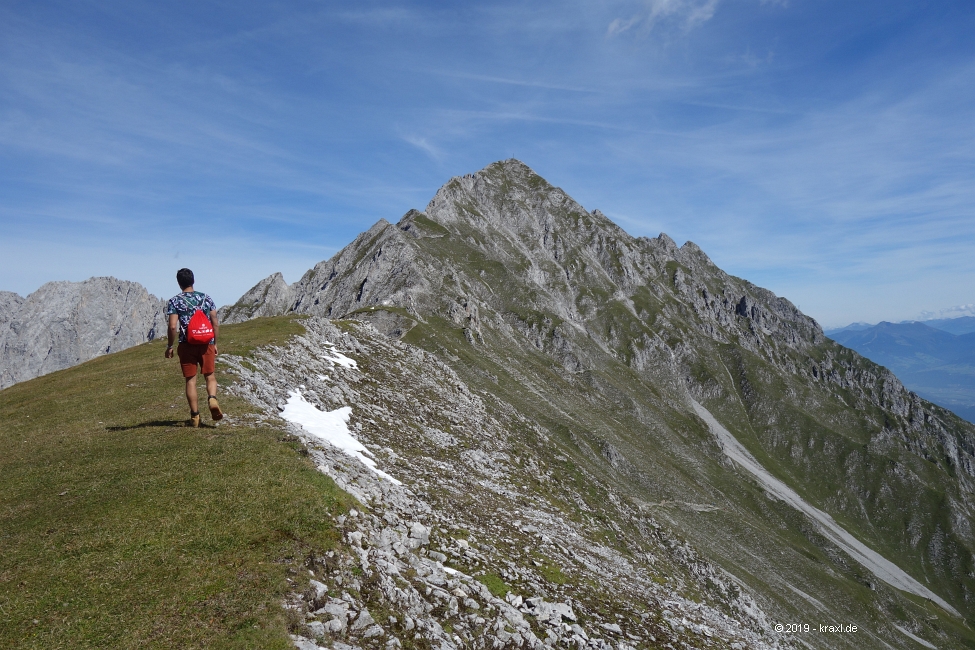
[(425, 146), (740, 107), (529, 83), (948, 312), (527, 116), (685, 14)]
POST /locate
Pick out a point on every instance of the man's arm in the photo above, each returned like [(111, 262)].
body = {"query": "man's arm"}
[(216, 330), (171, 333)]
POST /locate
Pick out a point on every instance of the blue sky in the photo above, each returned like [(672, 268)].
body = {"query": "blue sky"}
[(824, 150)]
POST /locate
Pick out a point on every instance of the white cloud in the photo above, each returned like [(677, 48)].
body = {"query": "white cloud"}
[(424, 145), (949, 312), (687, 14), (700, 13)]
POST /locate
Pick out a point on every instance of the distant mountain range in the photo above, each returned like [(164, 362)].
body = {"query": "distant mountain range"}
[(935, 359), (962, 325)]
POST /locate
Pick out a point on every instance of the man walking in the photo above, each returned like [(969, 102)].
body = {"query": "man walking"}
[(180, 309)]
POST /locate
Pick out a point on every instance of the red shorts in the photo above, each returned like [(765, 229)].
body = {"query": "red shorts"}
[(192, 355)]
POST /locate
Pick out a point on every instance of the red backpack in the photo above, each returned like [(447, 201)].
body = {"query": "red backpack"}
[(199, 331)]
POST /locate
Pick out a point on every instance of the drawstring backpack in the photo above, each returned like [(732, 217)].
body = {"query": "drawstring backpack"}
[(199, 331)]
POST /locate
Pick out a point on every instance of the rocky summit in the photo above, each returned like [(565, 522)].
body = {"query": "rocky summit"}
[(65, 323), (573, 437)]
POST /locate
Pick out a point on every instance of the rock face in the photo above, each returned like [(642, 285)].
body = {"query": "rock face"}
[(65, 323), (9, 304), (603, 342), (506, 224), (268, 297)]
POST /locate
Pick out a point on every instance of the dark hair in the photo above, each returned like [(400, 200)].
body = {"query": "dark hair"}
[(185, 278)]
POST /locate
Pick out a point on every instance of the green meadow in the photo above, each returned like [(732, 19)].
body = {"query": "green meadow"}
[(121, 527)]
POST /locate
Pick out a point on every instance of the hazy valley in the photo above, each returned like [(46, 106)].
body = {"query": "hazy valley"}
[(934, 359)]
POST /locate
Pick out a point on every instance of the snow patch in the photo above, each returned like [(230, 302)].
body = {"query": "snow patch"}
[(331, 427), (336, 357)]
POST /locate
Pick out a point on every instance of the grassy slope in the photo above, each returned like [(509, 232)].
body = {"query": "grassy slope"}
[(121, 528)]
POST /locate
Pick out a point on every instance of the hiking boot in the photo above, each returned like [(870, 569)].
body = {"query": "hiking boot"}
[(215, 411), (194, 420)]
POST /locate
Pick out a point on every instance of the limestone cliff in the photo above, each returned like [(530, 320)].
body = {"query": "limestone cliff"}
[(65, 323), (9, 304)]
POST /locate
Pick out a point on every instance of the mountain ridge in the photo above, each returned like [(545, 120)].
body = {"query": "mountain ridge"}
[(524, 292), (957, 325), (304, 298), (596, 349)]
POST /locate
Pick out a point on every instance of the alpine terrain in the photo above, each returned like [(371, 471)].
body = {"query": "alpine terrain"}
[(563, 435), (64, 323)]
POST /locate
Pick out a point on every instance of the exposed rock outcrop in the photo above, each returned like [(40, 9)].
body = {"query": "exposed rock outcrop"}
[(269, 297), (65, 323), (9, 304)]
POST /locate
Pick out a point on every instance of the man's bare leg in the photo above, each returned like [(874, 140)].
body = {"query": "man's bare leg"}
[(191, 397), (211, 384)]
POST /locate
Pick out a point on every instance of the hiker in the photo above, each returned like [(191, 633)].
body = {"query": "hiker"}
[(182, 311)]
